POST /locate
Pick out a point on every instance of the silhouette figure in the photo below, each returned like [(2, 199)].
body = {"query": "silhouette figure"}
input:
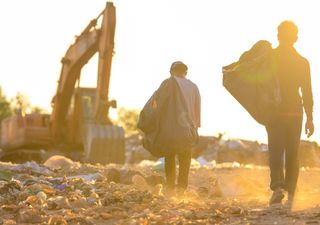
[(284, 128), (191, 95), (169, 121)]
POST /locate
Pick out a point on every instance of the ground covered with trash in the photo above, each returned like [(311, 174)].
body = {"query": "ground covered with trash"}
[(61, 191)]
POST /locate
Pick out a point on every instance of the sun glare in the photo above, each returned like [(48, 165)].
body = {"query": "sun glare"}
[(205, 35)]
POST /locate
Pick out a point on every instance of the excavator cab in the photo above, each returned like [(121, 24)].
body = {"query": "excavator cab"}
[(101, 142)]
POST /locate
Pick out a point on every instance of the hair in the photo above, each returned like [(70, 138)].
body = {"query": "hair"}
[(178, 68), (287, 32)]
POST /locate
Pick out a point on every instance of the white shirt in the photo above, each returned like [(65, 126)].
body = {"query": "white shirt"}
[(191, 94)]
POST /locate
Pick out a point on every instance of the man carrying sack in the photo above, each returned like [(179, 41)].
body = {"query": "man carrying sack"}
[(169, 121)]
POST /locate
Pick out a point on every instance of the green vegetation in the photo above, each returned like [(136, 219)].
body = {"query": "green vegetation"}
[(21, 104), (18, 104), (128, 119), (5, 107)]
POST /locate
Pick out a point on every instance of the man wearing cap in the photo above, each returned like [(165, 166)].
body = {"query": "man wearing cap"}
[(169, 122), (192, 98), (292, 72)]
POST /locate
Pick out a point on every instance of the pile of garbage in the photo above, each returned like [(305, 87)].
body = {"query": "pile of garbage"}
[(65, 192), (61, 191), (228, 184), (223, 150)]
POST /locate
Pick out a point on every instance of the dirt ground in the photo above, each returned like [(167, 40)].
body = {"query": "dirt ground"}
[(85, 194)]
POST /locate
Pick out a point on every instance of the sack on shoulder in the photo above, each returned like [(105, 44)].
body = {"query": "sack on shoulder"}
[(252, 82), (167, 125), (177, 131)]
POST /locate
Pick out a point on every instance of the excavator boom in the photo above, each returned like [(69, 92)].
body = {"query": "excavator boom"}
[(89, 42), (106, 46)]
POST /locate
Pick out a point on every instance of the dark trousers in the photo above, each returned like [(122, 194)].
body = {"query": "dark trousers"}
[(184, 166), (283, 143)]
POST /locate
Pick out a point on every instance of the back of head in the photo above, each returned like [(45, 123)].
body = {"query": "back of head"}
[(287, 32), (178, 68)]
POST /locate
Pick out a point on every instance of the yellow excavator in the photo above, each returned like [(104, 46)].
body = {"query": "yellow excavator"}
[(80, 116)]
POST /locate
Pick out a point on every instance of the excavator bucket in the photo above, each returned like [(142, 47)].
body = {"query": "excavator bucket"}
[(104, 144)]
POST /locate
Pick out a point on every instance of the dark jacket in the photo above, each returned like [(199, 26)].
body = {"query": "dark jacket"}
[(167, 126), (293, 74)]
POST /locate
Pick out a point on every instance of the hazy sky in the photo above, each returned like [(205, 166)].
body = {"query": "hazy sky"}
[(150, 35)]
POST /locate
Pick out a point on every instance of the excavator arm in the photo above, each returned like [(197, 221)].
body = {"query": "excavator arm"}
[(102, 141), (89, 42), (106, 46)]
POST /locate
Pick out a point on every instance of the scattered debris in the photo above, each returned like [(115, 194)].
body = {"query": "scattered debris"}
[(62, 191)]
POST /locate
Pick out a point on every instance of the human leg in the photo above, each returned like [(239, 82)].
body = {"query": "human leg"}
[(170, 170), (184, 167), (276, 151), (292, 142)]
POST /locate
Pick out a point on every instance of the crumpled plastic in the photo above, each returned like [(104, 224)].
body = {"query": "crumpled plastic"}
[(229, 193)]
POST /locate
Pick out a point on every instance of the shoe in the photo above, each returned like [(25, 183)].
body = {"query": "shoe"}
[(168, 191), (276, 197), (289, 202), (180, 191)]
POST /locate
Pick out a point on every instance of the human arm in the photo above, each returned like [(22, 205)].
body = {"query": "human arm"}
[(307, 97), (309, 128), (197, 108)]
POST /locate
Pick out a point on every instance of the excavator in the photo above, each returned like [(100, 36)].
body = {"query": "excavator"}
[(79, 121)]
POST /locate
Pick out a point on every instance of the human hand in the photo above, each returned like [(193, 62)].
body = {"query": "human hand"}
[(309, 128)]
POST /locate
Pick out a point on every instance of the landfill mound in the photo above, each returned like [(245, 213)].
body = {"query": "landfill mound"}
[(61, 191), (221, 149)]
